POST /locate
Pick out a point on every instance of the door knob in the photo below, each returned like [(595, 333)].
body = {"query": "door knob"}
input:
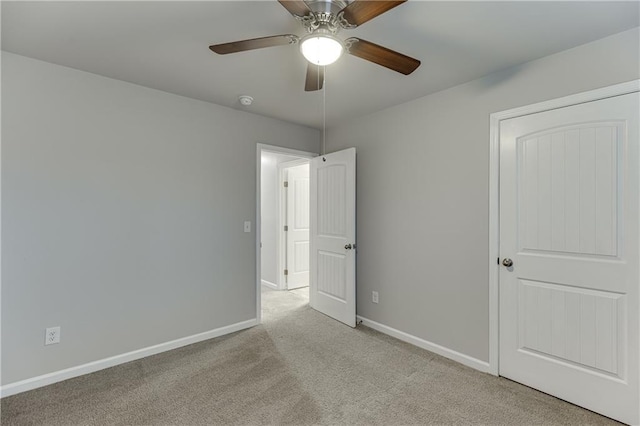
[(349, 246), (507, 262)]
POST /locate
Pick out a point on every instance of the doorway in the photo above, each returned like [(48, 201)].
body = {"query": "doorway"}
[(282, 224)]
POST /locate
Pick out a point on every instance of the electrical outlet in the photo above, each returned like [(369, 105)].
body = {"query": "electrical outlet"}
[(374, 296), (52, 335)]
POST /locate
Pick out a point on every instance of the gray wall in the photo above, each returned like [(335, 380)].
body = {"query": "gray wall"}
[(423, 186), (123, 212)]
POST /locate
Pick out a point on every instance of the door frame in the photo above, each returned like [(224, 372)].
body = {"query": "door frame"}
[(260, 148), (282, 206), (494, 192)]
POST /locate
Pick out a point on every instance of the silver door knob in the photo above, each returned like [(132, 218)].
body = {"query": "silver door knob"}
[(507, 262), (347, 246)]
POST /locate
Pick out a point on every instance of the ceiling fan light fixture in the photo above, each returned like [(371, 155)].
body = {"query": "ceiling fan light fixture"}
[(321, 49)]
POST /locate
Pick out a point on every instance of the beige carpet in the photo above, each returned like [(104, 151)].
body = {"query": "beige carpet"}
[(299, 367)]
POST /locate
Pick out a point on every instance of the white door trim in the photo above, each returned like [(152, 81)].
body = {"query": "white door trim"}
[(260, 148), (494, 191)]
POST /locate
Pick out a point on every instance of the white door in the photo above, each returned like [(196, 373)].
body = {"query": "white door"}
[(569, 218), (297, 226), (332, 289)]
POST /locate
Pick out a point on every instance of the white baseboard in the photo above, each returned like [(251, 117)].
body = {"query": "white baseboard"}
[(424, 344), (269, 284), (68, 373)]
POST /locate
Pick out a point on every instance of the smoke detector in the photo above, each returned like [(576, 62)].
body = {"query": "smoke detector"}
[(245, 100)]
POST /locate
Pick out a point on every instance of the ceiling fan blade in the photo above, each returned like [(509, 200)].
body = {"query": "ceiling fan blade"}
[(381, 55), (296, 7), (361, 11), (315, 78), (254, 43)]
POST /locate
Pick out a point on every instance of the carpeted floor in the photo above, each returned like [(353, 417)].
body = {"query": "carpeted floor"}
[(299, 367)]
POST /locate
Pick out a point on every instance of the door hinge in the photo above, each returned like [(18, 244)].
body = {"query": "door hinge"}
[(286, 272), (286, 228), (286, 184)]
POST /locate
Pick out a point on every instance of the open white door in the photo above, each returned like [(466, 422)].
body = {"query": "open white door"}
[(332, 284), (569, 241), (297, 226)]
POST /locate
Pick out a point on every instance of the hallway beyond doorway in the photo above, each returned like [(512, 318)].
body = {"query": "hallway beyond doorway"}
[(278, 302)]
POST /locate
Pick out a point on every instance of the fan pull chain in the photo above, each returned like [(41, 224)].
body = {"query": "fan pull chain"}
[(324, 111)]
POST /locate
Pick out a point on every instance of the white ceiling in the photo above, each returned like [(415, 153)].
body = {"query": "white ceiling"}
[(164, 45)]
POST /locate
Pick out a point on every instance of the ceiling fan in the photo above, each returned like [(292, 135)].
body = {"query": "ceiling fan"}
[(322, 20)]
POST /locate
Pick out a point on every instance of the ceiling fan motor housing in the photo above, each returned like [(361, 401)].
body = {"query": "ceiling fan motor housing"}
[(326, 6), (326, 15)]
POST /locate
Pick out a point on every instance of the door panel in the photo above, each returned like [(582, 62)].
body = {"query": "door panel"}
[(298, 226), (571, 324), (331, 275), (331, 195), (332, 288), (569, 214), (568, 187)]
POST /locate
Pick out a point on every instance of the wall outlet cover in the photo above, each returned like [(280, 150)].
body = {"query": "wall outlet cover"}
[(52, 335)]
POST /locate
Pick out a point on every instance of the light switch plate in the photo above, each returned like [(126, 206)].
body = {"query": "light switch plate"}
[(247, 226)]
